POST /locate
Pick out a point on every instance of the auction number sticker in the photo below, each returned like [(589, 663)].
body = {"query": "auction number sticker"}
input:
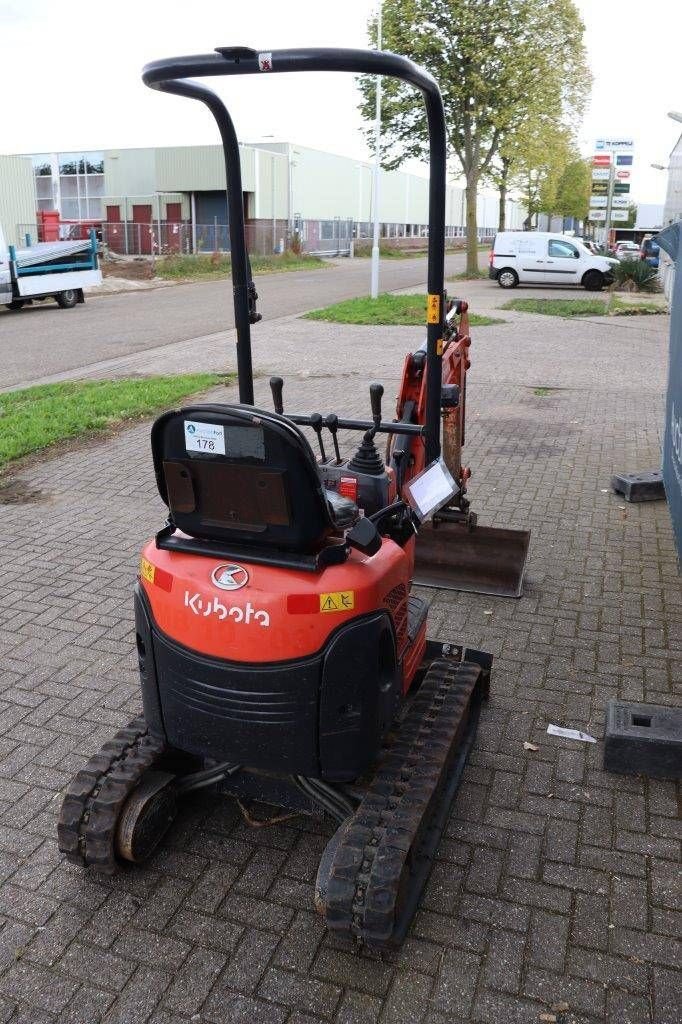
[(204, 437)]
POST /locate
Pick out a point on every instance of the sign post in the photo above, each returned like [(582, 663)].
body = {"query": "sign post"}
[(610, 173)]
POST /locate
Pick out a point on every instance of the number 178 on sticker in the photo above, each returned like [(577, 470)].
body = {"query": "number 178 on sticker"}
[(204, 437)]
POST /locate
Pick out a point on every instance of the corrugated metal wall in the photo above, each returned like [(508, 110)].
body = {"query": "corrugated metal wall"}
[(17, 195), (198, 168)]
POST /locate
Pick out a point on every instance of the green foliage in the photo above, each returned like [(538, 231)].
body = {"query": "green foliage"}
[(176, 267), (34, 418), (635, 276), (390, 309), (573, 190), (499, 64), (632, 217)]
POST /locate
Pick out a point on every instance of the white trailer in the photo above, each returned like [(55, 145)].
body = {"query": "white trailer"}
[(47, 270)]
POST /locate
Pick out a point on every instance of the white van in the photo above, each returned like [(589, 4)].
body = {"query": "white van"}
[(541, 257)]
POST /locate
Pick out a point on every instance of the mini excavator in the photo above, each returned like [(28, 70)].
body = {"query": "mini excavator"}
[(283, 654)]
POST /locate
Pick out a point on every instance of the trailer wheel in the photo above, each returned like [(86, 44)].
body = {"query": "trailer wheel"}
[(507, 278), (15, 304), (593, 281), (67, 299)]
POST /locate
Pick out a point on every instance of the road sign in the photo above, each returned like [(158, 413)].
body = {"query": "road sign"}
[(601, 160), (622, 174), (601, 174), (621, 188), (596, 214), (624, 160), (618, 202), (598, 201), (620, 214), (600, 188), (614, 143)]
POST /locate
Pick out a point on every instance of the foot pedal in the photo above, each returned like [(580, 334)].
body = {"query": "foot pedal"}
[(643, 739), (640, 486)]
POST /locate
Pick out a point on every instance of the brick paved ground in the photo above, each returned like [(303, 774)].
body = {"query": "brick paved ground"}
[(555, 885)]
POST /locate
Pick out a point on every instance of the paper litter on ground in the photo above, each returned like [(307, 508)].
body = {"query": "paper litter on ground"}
[(570, 734)]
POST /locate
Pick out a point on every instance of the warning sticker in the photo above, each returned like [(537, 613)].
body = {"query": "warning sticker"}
[(338, 601), (147, 570), (433, 309), (265, 61), (439, 347)]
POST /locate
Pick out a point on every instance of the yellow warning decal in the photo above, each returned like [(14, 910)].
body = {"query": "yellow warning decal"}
[(147, 570), (433, 309), (338, 601), (439, 347)]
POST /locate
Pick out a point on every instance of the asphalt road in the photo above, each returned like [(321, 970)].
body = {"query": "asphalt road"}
[(44, 340)]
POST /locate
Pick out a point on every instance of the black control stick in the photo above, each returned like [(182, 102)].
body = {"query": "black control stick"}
[(367, 458), (376, 393), (316, 422), (332, 425), (277, 387)]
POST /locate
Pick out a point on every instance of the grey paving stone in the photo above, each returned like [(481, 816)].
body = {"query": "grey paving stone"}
[(544, 850)]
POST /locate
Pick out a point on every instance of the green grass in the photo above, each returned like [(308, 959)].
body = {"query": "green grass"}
[(543, 392), (176, 268), (35, 418), (611, 306), (559, 307), (465, 276), (404, 310), (619, 307)]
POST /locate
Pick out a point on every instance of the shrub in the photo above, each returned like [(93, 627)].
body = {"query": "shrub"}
[(635, 276)]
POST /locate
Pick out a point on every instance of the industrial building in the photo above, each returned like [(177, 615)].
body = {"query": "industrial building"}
[(17, 196), (166, 199)]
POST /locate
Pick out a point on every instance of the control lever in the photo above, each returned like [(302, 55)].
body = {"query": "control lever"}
[(277, 387), (316, 422), (376, 393), (332, 425)]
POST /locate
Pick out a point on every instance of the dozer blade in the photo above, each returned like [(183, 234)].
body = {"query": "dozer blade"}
[(481, 560)]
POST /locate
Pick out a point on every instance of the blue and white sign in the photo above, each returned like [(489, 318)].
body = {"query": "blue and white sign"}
[(624, 160), (671, 240), (607, 145)]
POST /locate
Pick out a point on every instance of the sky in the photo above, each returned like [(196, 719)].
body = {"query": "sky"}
[(71, 75)]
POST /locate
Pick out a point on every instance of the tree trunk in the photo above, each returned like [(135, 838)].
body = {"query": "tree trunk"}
[(502, 219), (472, 226)]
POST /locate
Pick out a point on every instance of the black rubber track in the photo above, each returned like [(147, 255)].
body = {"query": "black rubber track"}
[(89, 814), (382, 856)]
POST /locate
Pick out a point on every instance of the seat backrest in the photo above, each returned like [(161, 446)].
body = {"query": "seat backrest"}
[(241, 475)]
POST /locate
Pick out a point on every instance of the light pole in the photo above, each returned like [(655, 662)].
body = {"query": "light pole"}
[(374, 287)]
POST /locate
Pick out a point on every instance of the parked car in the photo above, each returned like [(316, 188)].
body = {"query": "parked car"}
[(649, 251), (541, 257), (627, 251)]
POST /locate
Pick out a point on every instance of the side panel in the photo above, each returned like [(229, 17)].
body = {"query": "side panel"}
[(361, 687), (48, 284)]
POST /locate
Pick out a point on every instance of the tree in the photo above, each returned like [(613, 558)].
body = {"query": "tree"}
[(490, 57), (632, 217), (573, 191)]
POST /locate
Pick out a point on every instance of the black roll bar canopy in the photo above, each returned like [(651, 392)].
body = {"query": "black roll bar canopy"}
[(172, 76)]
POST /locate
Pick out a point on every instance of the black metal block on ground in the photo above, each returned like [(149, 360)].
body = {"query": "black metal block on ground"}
[(643, 739), (640, 486)]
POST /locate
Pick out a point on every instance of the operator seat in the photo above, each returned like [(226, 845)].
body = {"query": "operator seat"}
[(245, 477)]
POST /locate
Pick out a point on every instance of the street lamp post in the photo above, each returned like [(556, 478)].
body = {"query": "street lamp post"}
[(374, 286)]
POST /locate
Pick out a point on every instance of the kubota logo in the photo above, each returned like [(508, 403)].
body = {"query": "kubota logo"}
[(230, 576), (206, 606)]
